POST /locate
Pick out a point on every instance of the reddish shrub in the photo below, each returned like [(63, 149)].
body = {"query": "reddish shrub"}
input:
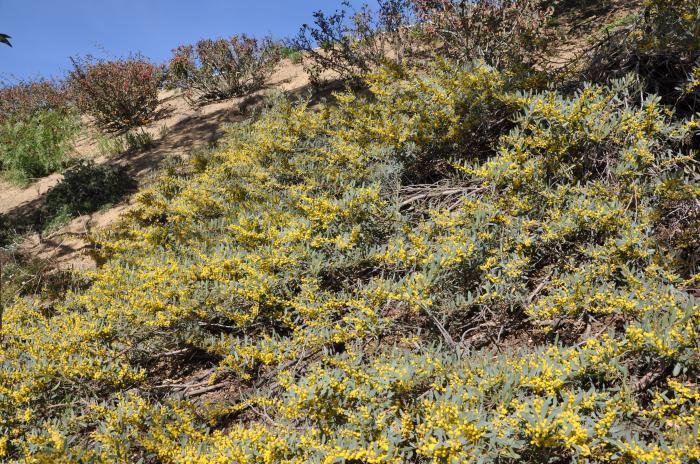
[(118, 94), (223, 68), (24, 99)]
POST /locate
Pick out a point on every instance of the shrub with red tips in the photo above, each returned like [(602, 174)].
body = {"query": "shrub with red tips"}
[(118, 94), (223, 68)]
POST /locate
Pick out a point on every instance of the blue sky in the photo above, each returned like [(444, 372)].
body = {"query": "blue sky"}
[(45, 33)]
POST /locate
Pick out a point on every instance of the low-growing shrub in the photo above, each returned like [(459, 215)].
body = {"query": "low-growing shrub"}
[(454, 265), (510, 311), (350, 43), (223, 68), (36, 145), (85, 188), (118, 94)]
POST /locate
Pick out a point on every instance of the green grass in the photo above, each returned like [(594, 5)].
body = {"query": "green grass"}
[(618, 23), (108, 145), (134, 141), (138, 140), (292, 54), (36, 146)]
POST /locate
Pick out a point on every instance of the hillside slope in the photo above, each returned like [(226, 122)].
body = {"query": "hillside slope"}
[(340, 320), (458, 263)]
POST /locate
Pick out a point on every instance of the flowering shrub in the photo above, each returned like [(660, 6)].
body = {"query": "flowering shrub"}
[(458, 265), (223, 68), (349, 45), (118, 94), (663, 46), (22, 100), (521, 307)]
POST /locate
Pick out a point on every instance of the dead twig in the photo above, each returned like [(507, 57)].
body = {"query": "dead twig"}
[(445, 334), (204, 390)]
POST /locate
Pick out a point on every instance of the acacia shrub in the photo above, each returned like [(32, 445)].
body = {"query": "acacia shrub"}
[(223, 68), (419, 107), (518, 322), (661, 48), (118, 94)]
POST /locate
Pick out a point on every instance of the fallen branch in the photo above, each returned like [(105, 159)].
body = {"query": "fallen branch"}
[(445, 334), (435, 191), (204, 390)]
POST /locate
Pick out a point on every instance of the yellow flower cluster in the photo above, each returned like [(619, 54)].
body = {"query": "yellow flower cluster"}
[(456, 268)]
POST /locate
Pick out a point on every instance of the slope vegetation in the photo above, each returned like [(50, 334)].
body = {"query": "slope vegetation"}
[(460, 264)]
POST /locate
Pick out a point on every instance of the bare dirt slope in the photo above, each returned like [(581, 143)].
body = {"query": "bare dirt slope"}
[(181, 130)]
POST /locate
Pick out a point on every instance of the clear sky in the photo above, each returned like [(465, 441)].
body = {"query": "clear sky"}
[(45, 33)]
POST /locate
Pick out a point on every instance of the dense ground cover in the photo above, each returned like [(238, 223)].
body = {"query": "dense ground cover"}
[(461, 264)]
